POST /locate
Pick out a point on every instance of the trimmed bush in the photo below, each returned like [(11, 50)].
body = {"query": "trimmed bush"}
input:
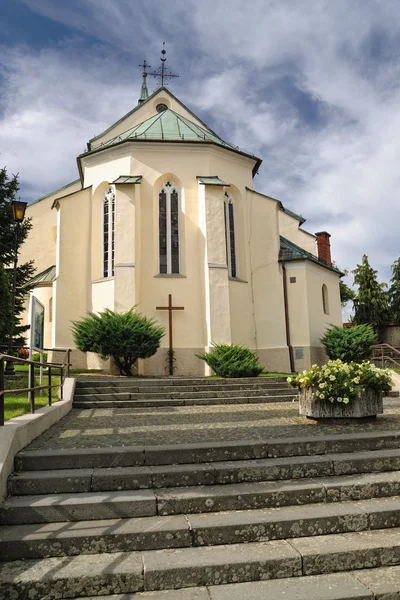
[(349, 344), (123, 336), (36, 356), (228, 360)]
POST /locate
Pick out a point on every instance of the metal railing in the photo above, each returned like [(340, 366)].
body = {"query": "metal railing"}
[(386, 355), (32, 388)]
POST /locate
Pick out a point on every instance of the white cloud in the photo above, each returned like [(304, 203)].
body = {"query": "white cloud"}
[(252, 71)]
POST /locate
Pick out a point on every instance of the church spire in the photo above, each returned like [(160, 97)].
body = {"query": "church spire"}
[(144, 92)]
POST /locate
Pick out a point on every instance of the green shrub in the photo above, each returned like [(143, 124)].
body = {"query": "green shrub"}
[(228, 360), (349, 344), (36, 357), (123, 336)]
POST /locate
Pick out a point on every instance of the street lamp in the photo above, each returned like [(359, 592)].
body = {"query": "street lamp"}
[(18, 213)]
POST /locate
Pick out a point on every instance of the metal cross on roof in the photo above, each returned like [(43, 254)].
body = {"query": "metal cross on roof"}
[(162, 72), (145, 66)]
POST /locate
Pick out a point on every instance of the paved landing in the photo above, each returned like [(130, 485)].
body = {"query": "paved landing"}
[(106, 427)]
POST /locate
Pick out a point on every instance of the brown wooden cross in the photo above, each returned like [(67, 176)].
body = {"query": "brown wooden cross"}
[(170, 308)]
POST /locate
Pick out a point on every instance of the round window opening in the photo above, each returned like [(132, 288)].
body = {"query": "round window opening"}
[(161, 107)]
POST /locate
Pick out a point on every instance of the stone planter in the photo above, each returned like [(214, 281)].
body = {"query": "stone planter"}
[(369, 404)]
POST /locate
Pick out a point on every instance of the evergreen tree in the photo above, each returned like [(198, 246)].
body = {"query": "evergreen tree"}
[(372, 298), (394, 293), (5, 305), (12, 236)]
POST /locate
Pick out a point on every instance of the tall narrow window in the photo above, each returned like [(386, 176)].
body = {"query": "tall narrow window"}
[(168, 228), (230, 235), (108, 233), (325, 299)]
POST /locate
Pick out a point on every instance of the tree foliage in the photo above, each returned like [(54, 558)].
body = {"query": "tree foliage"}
[(228, 360), (349, 344), (123, 336), (346, 293), (12, 236), (372, 298), (394, 293), (5, 305)]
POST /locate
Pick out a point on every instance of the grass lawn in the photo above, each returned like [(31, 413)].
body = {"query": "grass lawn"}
[(18, 404)]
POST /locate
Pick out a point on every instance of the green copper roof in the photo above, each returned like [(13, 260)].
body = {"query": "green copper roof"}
[(215, 180), (128, 179), (169, 125), (46, 276), (290, 252)]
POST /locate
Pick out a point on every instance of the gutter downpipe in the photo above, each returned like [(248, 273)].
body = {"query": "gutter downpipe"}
[(285, 300)]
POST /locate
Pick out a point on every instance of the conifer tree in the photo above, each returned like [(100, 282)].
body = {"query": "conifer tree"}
[(12, 237), (394, 293), (372, 298)]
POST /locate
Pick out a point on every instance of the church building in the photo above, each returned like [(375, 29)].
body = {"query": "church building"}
[(164, 207)]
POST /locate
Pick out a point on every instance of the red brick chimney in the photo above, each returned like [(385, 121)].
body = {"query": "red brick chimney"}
[(324, 247)]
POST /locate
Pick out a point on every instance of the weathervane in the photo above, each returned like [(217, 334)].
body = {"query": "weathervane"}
[(162, 72)]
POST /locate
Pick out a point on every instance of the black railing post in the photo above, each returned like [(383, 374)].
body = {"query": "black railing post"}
[(61, 383), (32, 385), (2, 392), (50, 389), (68, 361)]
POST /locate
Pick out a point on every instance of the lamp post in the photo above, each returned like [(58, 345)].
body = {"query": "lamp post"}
[(355, 306), (18, 209)]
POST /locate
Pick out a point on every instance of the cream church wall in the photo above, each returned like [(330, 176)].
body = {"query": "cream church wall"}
[(289, 228), (265, 274), (41, 241), (72, 285)]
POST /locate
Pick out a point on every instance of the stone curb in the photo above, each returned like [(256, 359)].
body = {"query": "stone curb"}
[(20, 431)]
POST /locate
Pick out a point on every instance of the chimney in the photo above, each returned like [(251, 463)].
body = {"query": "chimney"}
[(324, 247)]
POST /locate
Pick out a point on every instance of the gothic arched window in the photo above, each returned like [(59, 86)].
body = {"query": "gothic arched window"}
[(230, 235), (108, 233), (325, 299), (168, 228)]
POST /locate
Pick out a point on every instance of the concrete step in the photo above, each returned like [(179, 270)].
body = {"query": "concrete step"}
[(101, 574), (83, 506), (242, 393), (200, 452), (83, 402), (214, 529), (369, 584), (211, 473), (110, 389), (174, 381)]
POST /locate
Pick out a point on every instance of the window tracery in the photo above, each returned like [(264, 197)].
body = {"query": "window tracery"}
[(108, 233), (230, 234), (168, 224)]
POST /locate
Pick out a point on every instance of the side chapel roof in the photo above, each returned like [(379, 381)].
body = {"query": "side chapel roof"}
[(290, 252)]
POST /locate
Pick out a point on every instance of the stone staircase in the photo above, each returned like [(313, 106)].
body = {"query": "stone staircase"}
[(144, 393), (314, 518)]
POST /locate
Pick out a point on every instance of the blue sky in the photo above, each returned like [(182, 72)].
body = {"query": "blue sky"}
[(310, 86)]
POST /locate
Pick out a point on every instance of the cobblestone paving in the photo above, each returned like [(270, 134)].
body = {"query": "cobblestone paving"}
[(174, 425)]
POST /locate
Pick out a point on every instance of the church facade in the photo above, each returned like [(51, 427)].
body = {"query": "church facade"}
[(164, 206)]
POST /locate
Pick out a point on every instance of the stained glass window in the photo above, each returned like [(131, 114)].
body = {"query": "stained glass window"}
[(108, 233), (168, 227), (230, 235)]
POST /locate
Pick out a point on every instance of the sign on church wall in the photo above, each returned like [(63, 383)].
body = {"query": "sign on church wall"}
[(37, 325)]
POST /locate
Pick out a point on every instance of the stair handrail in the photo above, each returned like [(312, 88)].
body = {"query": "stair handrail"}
[(32, 388), (383, 356)]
